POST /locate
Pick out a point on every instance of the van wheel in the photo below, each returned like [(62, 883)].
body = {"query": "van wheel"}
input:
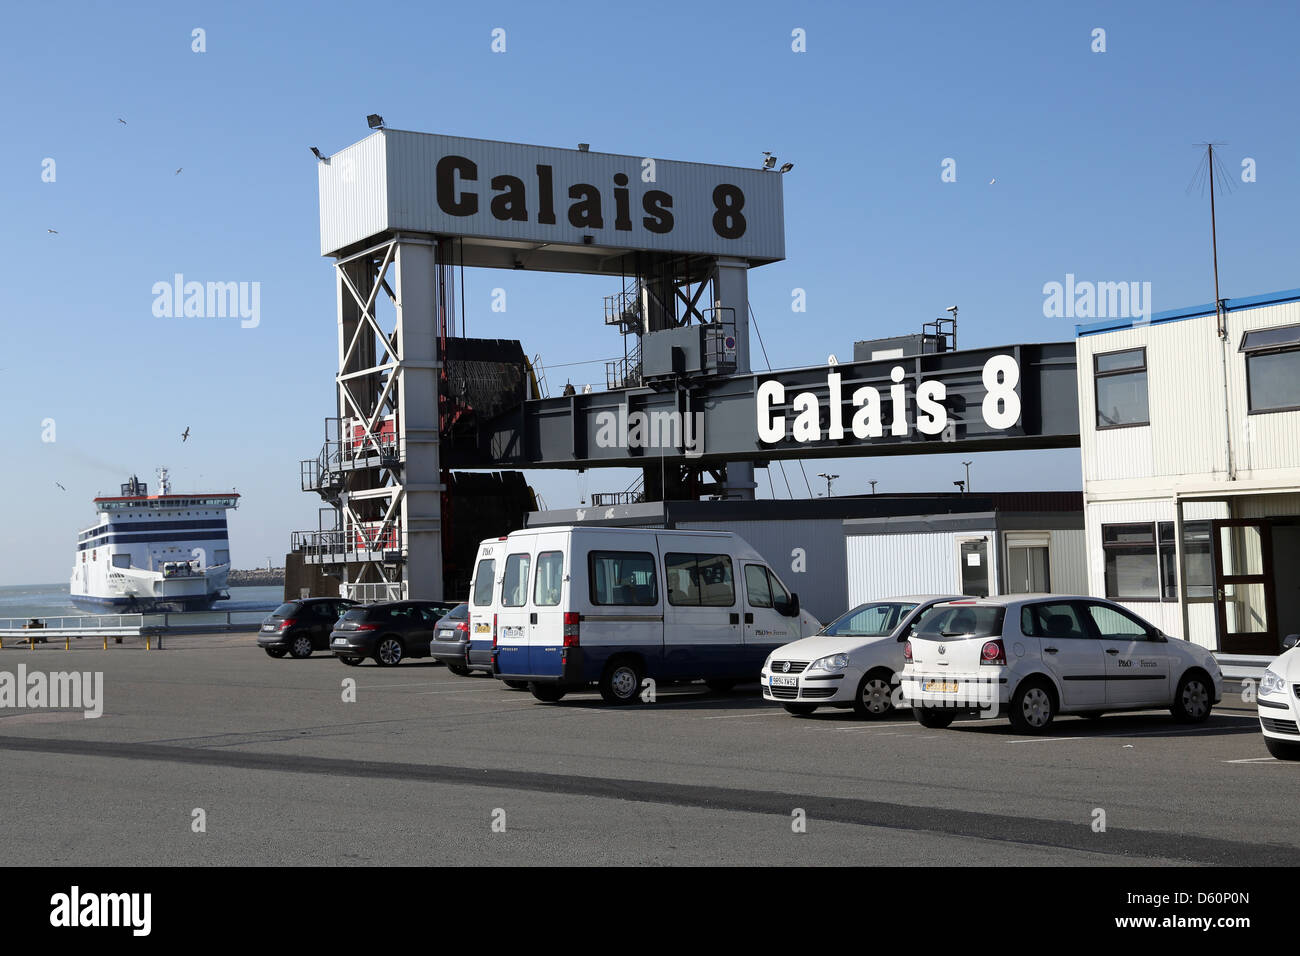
[(875, 696), (800, 710), (301, 646), (516, 684), (460, 670), (389, 652), (547, 693), (276, 652), (721, 686), (1281, 749), (1033, 706), (620, 682), (933, 718), (1193, 699)]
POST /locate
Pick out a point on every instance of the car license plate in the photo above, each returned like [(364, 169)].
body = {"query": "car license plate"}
[(941, 686), (268, 627), (445, 635), (340, 642), (782, 680)]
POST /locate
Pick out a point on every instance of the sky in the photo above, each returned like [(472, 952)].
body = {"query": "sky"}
[(1067, 161)]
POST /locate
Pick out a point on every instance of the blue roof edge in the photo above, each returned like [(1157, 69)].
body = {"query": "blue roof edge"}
[(1191, 312)]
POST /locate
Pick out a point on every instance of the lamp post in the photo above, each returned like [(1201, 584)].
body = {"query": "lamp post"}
[(829, 479)]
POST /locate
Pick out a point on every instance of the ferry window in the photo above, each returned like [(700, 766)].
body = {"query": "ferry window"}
[(699, 580), (514, 591), (483, 579), (1272, 368), (1120, 381), (623, 578), (550, 578)]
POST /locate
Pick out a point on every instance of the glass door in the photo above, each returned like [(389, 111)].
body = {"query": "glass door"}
[(1243, 587)]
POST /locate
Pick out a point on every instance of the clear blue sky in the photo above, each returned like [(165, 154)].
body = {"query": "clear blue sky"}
[(1092, 153)]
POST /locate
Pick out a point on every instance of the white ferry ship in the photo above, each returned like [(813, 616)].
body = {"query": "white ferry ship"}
[(154, 552)]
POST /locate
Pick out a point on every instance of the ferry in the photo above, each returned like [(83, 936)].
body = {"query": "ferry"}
[(154, 552)]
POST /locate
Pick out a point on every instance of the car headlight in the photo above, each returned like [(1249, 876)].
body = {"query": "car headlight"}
[(1272, 683), (836, 662)]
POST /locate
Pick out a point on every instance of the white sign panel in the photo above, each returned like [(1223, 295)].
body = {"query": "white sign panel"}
[(447, 185)]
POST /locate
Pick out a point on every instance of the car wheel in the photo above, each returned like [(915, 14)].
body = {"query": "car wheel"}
[(388, 653), (516, 684), (460, 670), (721, 686), (1033, 706), (547, 693), (276, 652), (301, 646), (1193, 699), (1281, 749), (933, 717), (800, 710), (875, 696), (621, 682), (351, 661)]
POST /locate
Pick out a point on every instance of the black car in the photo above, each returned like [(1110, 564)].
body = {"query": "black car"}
[(388, 632), (451, 642), (300, 627)]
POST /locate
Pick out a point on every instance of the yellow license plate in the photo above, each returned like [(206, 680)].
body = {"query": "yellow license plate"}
[(941, 686)]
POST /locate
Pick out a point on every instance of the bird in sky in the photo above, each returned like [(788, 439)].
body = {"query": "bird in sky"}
[(178, 172), (186, 435), (993, 180), (122, 121), (53, 232), (61, 488)]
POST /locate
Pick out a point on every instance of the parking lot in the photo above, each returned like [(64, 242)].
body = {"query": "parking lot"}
[(428, 767)]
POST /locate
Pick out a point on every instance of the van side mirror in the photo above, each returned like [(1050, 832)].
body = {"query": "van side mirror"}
[(789, 608), (1290, 641)]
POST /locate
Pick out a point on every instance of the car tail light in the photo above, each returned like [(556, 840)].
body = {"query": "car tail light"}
[(494, 630), (571, 619), (367, 627), (287, 623), (907, 650), (462, 626), (993, 653)]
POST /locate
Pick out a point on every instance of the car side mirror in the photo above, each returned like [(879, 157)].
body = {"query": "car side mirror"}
[(1290, 641), (1160, 637)]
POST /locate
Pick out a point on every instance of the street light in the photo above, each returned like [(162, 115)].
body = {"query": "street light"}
[(872, 483), (967, 464), (829, 479)]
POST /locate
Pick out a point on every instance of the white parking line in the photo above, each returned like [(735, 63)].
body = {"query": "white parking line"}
[(735, 716), (1257, 760), (1043, 740)]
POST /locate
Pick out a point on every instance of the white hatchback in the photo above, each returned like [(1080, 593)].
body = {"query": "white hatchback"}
[(1031, 657), (1278, 701), (853, 662)]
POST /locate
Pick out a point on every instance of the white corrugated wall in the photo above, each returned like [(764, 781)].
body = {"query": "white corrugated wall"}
[(885, 565)]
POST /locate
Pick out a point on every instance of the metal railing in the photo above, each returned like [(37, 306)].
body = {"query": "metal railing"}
[(606, 499), (349, 545), (371, 592), (70, 621)]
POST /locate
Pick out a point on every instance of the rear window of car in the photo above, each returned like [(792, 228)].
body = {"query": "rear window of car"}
[(355, 614), (459, 613), (869, 620), (961, 620), (285, 610)]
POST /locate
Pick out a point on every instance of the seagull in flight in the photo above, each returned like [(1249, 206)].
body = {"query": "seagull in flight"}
[(186, 435), (61, 488), (122, 121), (53, 232), (178, 172)]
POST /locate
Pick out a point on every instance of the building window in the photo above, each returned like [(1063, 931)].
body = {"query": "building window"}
[(1120, 380), (1272, 368), (1141, 561), (1027, 570)]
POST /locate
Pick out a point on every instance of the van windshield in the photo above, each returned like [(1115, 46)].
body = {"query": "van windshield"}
[(961, 620)]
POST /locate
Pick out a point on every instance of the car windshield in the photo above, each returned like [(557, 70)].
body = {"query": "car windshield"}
[(285, 610), (961, 620), (869, 620)]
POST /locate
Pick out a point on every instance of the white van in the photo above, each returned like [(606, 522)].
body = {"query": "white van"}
[(568, 607)]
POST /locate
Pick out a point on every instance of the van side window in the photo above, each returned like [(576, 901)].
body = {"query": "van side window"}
[(484, 577), (699, 580), (514, 590), (757, 589), (550, 575), (622, 577)]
